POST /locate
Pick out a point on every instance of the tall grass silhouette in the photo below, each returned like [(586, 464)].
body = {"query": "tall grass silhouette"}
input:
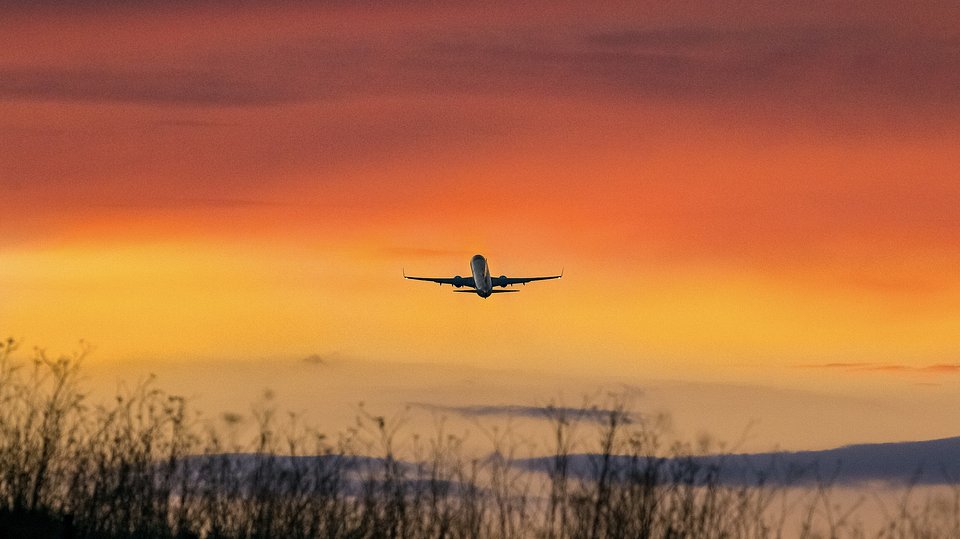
[(144, 466)]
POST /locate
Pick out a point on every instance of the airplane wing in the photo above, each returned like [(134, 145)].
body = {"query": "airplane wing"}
[(504, 280), (455, 281)]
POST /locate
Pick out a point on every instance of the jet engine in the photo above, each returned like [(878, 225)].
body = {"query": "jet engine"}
[(502, 281), (457, 281)]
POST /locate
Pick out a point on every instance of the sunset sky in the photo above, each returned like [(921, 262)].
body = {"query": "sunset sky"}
[(741, 195)]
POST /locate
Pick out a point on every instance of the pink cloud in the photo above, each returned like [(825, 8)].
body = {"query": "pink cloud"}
[(852, 367)]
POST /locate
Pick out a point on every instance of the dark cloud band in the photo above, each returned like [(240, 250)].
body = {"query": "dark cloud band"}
[(813, 64), (554, 413)]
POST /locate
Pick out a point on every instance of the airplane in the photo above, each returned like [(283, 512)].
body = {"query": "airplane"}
[(481, 281)]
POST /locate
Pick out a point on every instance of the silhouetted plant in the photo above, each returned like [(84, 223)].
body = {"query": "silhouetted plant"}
[(146, 466)]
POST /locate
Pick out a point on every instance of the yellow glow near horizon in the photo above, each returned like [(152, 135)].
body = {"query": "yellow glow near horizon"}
[(176, 301)]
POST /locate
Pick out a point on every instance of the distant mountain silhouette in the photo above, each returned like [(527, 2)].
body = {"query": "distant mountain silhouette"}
[(235, 472), (926, 462)]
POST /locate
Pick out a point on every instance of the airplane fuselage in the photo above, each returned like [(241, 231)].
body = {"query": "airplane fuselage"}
[(481, 276)]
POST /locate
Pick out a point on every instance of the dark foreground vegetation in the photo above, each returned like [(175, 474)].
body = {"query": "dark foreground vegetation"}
[(145, 467)]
